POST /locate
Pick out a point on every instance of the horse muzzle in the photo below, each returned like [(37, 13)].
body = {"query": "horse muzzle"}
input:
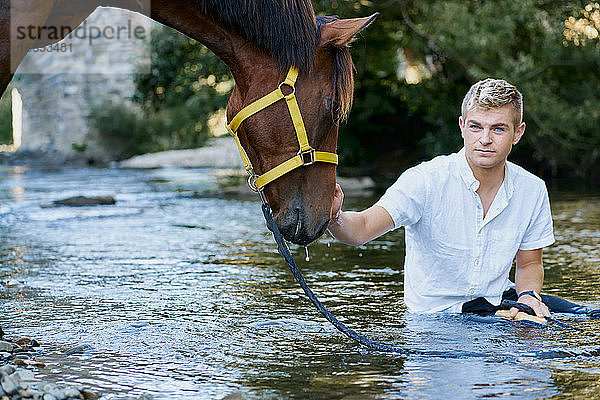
[(298, 227)]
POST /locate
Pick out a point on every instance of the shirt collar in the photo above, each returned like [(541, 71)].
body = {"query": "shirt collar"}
[(465, 171), (472, 184), (508, 180)]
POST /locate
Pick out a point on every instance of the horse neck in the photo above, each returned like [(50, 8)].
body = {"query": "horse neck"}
[(235, 51), (241, 56)]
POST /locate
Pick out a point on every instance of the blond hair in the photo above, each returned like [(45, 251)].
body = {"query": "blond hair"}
[(493, 93)]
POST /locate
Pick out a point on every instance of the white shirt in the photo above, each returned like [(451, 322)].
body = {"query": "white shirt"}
[(453, 253)]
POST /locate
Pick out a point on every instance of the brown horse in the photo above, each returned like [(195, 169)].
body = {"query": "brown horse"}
[(258, 40)]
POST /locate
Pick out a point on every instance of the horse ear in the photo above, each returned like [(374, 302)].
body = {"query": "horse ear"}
[(340, 32)]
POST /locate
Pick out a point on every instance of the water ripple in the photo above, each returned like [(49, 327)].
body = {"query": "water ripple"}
[(172, 295)]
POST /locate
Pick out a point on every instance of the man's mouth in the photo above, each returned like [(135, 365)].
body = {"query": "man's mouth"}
[(485, 151)]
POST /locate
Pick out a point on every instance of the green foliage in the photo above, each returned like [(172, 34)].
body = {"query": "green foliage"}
[(182, 69), (454, 43), (414, 65), (133, 132), (172, 104), (6, 117)]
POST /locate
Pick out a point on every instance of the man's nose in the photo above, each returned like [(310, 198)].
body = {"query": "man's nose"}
[(486, 137)]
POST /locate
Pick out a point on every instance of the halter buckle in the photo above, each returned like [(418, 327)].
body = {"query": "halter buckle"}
[(287, 96), (307, 156), (252, 177)]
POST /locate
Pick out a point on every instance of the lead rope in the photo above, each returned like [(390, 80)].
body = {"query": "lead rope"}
[(305, 156), (284, 250)]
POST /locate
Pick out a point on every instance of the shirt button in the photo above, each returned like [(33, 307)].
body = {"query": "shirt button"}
[(471, 291)]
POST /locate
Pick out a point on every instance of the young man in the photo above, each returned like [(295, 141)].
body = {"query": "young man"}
[(466, 215)]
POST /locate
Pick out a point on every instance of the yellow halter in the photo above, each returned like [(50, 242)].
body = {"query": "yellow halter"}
[(306, 156)]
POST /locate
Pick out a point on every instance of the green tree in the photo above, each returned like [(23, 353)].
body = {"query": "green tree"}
[(172, 104), (414, 64), (182, 70), (418, 59)]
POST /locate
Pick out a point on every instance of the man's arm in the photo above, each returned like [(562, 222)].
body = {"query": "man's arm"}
[(357, 228), (529, 275)]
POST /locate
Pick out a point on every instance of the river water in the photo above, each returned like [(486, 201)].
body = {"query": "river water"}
[(177, 292)]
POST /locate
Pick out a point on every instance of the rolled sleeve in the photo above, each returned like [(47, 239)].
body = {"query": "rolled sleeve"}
[(405, 199), (540, 232)]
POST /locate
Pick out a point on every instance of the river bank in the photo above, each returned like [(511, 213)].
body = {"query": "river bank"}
[(18, 367), (220, 153)]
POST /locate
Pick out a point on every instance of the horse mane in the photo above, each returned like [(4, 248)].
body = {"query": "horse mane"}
[(289, 31), (286, 29)]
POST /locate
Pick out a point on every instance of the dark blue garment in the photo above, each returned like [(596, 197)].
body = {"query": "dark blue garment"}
[(481, 306)]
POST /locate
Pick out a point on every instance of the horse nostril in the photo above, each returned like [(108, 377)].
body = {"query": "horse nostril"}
[(297, 211)]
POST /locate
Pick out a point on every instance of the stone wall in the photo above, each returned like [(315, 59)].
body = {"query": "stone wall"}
[(59, 87)]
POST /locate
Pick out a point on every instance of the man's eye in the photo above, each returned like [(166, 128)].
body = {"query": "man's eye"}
[(475, 127), (499, 130)]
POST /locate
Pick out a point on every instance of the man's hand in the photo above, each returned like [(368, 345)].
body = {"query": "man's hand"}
[(338, 199), (541, 310), (357, 227), (529, 277)]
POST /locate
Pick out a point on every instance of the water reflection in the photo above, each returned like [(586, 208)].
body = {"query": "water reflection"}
[(176, 294)]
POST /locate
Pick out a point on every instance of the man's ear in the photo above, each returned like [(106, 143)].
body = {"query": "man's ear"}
[(340, 32), (519, 133), (461, 125)]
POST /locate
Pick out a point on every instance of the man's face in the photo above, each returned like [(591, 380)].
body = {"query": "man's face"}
[(489, 136)]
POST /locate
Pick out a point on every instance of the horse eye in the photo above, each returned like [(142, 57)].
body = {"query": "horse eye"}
[(333, 107), (329, 102)]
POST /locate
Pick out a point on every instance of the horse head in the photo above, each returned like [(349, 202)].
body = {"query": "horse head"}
[(259, 40), (301, 199)]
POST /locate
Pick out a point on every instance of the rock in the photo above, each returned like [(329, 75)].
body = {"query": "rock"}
[(37, 394), (33, 363), (26, 342), (78, 349), (221, 152), (58, 394), (19, 362), (77, 386), (27, 394), (11, 283), (9, 384), (6, 347), (89, 394), (19, 383), (234, 396), (357, 186), (6, 370), (82, 201), (49, 387), (24, 375), (73, 393)]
